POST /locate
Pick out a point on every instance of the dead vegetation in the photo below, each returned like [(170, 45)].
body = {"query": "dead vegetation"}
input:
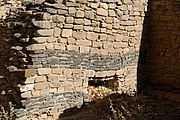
[(144, 106)]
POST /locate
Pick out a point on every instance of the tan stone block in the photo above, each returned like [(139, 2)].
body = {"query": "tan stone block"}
[(67, 72), (26, 94), (25, 88), (66, 32), (109, 20), (73, 47), (29, 80), (107, 45), (78, 27), (30, 72), (43, 24), (62, 40), (103, 37), (34, 47), (89, 14), (58, 18), (71, 41), (101, 11), (89, 73), (45, 32), (79, 14), (60, 89), (101, 74), (40, 79), (59, 46), (87, 22), (112, 13), (41, 85), (53, 77), (112, 51), (44, 71), (45, 91), (109, 26), (54, 84), (36, 93), (84, 49), (103, 30), (49, 46), (120, 72), (72, 10), (119, 38), (68, 26), (77, 84), (88, 28), (94, 50), (92, 36), (53, 90), (57, 71), (69, 20), (83, 43), (79, 35), (111, 73), (79, 21), (57, 32), (103, 51)]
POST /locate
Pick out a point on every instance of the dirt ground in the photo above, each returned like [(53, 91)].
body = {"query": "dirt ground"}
[(150, 104)]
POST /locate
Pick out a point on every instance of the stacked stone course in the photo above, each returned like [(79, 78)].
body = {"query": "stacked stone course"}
[(73, 42)]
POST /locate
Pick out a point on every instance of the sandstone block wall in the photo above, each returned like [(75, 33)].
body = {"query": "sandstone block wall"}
[(68, 44)]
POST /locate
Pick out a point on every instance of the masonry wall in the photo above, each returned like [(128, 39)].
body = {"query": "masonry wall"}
[(164, 54), (68, 44)]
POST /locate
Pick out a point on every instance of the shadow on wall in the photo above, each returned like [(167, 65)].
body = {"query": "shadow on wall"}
[(142, 73), (164, 45), (13, 59)]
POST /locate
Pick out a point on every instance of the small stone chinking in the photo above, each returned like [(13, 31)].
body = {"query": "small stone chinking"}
[(71, 41)]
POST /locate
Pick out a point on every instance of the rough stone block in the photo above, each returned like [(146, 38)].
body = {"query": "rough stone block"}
[(57, 71), (26, 94), (27, 87), (29, 80), (30, 72), (79, 14), (43, 24), (34, 47), (101, 74), (71, 41), (53, 78), (57, 32), (54, 84), (112, 13), (59, 46), (49, 46), (44, 71), (45, 32), (101, 11), (89, 14), (92, 36), (41, 85), (40, 79), (83, 43), (69, 20), (78, 21), (58, 18), (84, 49), (73, 47), (79, 35), (66, 33), (78, 27), (89, 73)]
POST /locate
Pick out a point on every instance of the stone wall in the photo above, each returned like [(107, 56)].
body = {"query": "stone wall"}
[(68, 43), (163, 59)]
